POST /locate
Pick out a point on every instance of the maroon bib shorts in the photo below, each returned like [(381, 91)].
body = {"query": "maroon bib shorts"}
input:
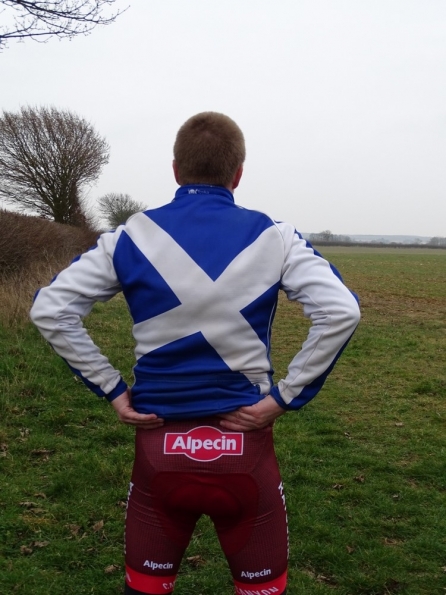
[(189, 468)]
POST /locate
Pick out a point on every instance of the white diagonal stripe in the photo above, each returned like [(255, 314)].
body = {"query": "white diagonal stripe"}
[(207, 306)]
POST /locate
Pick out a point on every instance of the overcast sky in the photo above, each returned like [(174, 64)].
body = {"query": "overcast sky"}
[(342, 102)]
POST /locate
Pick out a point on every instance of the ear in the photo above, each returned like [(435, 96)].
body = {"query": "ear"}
[(175, 172), (237, 177)]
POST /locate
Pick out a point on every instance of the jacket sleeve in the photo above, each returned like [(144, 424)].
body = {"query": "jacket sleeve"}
[(333, 309), (58, 311)]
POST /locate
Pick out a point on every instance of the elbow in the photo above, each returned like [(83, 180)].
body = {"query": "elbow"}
[(35, 314), (38, 314), (346, 316), (353, 315)]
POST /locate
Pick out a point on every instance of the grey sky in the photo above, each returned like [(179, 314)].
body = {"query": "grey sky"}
[(342, 102)]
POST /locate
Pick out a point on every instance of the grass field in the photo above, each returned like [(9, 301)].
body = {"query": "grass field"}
[(363, 465)]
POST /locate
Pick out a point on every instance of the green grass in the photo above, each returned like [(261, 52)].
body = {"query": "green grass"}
[(364, 464)]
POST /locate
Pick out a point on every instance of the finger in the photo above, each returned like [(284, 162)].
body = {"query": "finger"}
[(144, 418), (144, 424), (134, 418), (237, 416), (237, 426), (228, 417), (132, 414)]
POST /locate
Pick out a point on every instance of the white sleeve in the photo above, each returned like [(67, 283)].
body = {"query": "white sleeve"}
[(59, 308), (309, 279)]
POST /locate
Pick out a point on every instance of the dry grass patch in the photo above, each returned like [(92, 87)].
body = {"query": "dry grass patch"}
[(32, 251)]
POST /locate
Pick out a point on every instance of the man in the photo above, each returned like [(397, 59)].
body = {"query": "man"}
[(201, 278)]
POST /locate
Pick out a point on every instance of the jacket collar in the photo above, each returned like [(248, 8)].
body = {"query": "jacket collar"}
[(194, 189)]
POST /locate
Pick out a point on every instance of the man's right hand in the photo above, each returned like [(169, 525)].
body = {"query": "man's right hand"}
[(127, 415), (253, 417)]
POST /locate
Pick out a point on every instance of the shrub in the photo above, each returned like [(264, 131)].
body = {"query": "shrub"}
[(32, 251)]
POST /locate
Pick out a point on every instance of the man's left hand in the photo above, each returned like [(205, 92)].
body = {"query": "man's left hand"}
[(253, 417), (127, 415)]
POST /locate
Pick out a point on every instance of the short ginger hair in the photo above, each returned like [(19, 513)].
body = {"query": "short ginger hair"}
[(209, 148)]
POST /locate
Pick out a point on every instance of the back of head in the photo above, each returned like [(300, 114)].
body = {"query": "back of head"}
[(209, 149)]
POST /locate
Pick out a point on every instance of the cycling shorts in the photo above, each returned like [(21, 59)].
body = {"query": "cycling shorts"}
[(189, 468)]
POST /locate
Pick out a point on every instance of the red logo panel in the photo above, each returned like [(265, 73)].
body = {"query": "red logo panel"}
[(204, 443)]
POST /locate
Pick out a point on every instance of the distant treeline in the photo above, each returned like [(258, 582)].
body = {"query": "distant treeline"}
[(327, 238), (376, 244)]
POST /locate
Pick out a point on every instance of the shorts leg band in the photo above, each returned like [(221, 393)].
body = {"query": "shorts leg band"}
[(149, 584), (275, 587)]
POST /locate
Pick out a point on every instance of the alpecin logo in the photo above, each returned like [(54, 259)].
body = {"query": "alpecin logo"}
[(204, 443)]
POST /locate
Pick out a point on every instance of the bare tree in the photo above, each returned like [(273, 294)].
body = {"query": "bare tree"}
[(437, 241), (47, 157), (43, 19), (322, 236), (117, 208)]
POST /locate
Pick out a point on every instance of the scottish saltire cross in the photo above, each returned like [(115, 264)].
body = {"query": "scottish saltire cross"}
[(207, 306)]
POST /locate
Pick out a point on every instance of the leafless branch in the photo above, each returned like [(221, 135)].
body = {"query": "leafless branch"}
[(43, 19)]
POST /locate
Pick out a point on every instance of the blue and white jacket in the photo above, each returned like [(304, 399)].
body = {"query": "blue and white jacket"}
[(201, 278)]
